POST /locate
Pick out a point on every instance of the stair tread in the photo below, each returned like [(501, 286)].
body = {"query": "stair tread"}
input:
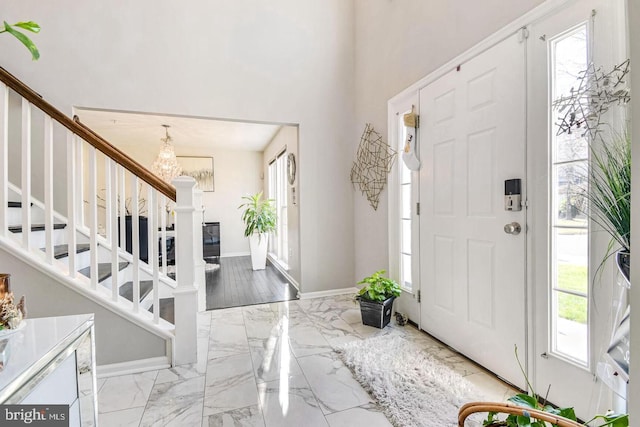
[(35, 227), (126, 290), (167, 309), (62, 251), (104, 270)]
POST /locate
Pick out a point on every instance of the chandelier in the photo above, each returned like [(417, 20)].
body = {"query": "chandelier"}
[(166, 165)]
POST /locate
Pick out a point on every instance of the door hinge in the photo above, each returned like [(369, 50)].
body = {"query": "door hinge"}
[(419, 296), (417, 121), (418, 208)]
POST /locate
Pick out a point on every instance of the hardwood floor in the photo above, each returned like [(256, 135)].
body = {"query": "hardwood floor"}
[(236, 284)]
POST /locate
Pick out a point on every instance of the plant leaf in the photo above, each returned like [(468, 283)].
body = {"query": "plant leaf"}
[(24, 40), (29, 26), (524, 400)]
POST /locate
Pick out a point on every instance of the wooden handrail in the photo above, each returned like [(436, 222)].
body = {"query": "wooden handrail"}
[(88, 135)]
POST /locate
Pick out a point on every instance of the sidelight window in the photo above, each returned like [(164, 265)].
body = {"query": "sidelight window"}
[(569, 225)]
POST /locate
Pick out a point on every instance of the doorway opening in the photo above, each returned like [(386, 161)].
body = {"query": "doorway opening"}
[(229, 159)]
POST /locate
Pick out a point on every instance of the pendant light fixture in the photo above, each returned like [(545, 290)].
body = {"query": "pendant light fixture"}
[(166, 165)]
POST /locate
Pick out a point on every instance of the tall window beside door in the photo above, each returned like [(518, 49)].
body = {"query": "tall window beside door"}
[(405, 211), (569, 225), (279, 241)]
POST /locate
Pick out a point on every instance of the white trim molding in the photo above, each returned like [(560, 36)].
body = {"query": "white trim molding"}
[(328, 293), (132, 367)]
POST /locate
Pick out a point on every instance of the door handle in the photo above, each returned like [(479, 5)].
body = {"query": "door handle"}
[(513, 228)]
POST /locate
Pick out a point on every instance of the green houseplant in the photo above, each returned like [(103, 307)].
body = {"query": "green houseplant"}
[(260, 219), (609, 197), (376, 299), (28, 26)]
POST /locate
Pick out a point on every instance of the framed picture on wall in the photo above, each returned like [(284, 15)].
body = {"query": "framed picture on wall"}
[(200, 169)]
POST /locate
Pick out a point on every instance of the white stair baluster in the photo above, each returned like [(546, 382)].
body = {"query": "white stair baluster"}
[(112, 195), (163, 226), (80, 181), (107, 199), (122, 197), (26, 173), (135, 242), (93, 217), (48, 188), (4, 154), (72, 196), (153, 213)]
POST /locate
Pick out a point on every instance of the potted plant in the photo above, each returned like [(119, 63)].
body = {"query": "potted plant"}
[(609, 197), (376, 299), (260, 218)]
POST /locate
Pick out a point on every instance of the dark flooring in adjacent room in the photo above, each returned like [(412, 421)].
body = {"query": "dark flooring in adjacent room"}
[(236, 284)]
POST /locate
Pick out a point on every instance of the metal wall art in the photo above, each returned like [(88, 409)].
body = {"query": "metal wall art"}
[(584, 108), (373, 163)]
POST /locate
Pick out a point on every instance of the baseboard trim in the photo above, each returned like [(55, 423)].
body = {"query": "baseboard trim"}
[(132, 367), (329, 293), (232, 254), (284, 272)]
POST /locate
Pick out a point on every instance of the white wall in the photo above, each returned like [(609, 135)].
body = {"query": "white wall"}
[(634, 386), (398, 43), (282, 61), (287, 137)]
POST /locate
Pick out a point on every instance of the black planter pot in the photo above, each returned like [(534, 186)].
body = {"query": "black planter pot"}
[(143, 233), (623, 261), (376, 313)]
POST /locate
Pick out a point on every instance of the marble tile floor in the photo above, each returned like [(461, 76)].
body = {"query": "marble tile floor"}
[(270, 365)]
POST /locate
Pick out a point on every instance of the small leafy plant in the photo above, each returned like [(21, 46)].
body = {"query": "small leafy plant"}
[(378, 287), (259, 215), (531, 401), (29, 26)]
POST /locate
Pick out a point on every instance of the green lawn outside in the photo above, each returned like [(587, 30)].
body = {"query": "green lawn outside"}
[(575, 278)]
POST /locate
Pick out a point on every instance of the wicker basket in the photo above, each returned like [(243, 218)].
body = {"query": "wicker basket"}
[(511, 409)]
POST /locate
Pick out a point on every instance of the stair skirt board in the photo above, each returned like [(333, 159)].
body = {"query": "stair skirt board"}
[(132, 367)]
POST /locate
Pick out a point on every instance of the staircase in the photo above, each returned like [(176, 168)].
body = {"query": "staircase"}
[(82, 242)]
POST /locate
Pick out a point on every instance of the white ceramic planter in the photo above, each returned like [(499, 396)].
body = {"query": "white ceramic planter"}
[(258, 244)]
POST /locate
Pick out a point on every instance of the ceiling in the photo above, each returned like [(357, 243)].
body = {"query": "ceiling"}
[(128, 129)]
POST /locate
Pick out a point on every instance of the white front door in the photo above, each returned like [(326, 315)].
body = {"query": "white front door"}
[(472, 139), (572, 311)]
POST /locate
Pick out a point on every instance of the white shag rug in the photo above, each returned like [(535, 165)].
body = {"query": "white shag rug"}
[(412, 387), (171, 269)]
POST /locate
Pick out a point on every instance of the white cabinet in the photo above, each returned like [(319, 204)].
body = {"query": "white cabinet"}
[(52, 362)]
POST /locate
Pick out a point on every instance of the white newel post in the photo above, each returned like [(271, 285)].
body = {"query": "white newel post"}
[(186, 293), (199, 263)]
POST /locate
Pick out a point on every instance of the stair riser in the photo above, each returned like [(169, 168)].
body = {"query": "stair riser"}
[(15, 216), (83, 259), (37, 239), (125, 275)]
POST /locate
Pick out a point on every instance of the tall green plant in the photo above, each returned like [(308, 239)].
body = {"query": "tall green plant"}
[(259, 215), (29, 26), (609, 192)]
